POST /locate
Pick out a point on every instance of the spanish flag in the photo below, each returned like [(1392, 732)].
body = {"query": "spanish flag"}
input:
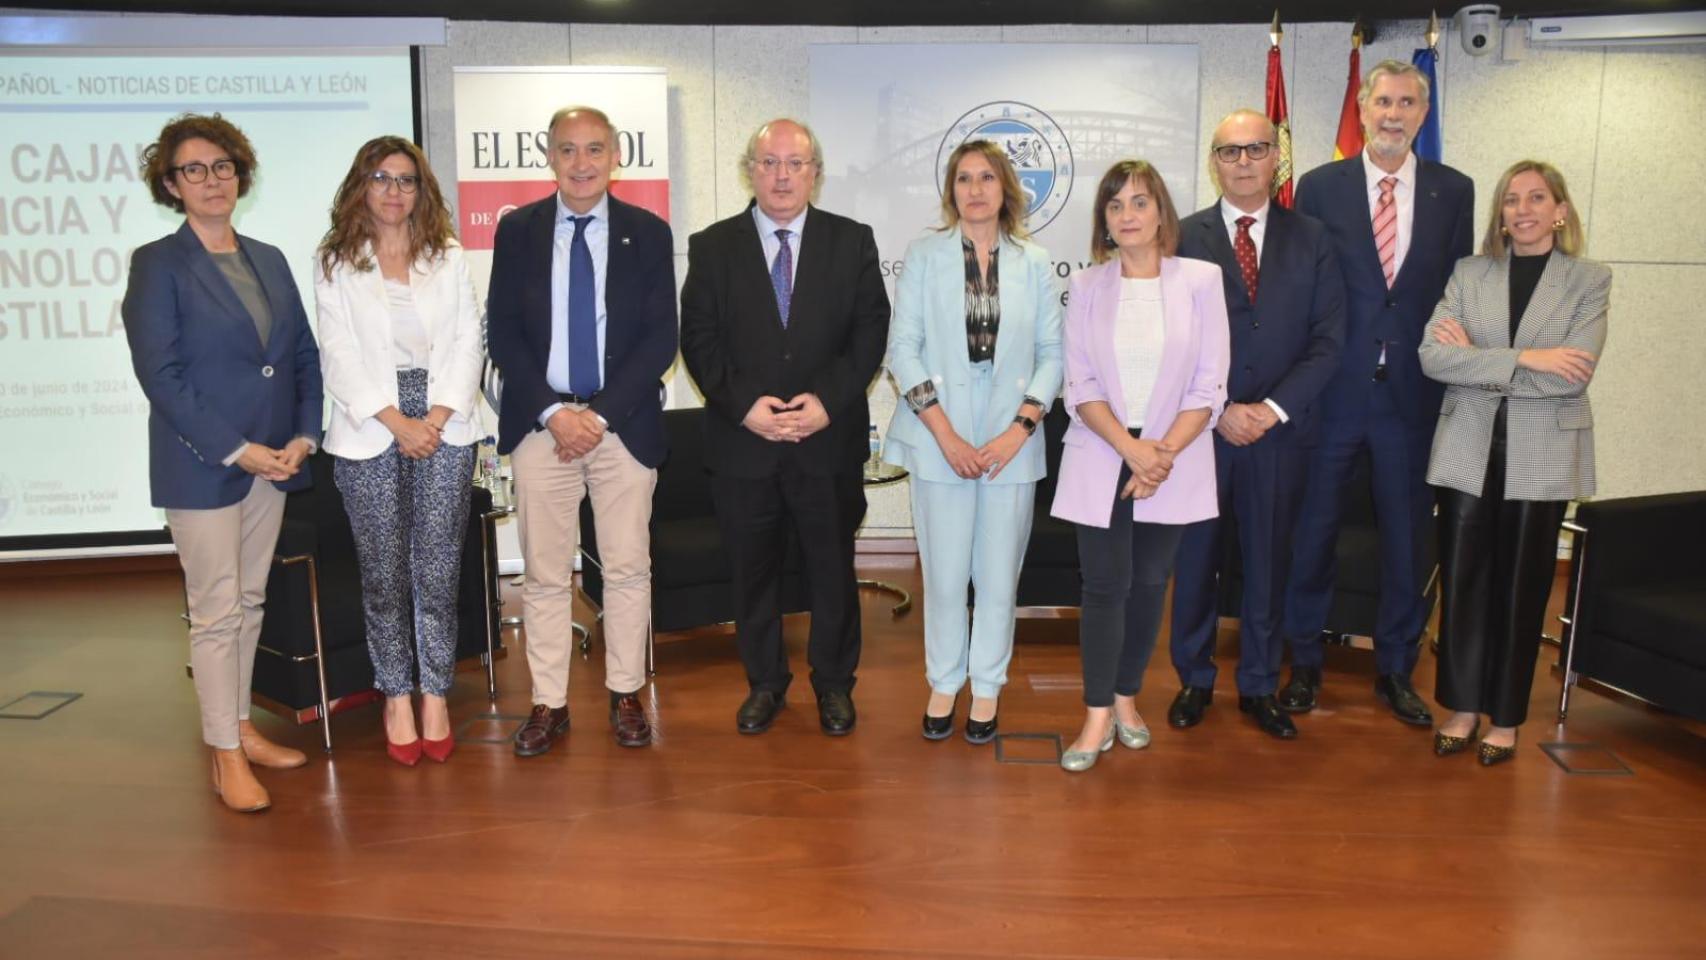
[(1281, 118), (1349, 141)]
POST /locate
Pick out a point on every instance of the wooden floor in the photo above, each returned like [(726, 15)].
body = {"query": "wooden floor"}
[(1353, 841)]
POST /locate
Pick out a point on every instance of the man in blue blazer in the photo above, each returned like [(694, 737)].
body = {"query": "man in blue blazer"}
[(580, 321), (1285, 307), (1399, 225)]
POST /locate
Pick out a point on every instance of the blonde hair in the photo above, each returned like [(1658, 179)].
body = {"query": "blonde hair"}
[(1570, 238), (1011, 219)]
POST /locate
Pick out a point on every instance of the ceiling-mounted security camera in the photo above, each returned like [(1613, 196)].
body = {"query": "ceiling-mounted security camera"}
[(1478, 28)]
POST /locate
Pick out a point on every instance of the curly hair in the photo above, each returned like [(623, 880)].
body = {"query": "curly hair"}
[(430, 227), (215, 129), (1011, 218)]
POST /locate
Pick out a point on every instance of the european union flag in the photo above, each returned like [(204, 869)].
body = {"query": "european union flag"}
[(1429, 143)]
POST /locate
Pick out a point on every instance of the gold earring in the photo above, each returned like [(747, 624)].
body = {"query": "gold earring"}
[(1504, 231), (1558, 224)]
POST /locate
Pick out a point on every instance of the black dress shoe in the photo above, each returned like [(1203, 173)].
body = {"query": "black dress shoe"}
[(938, 728), (835, 713), (1188, 707), (1298, 696), (758, 711), (980, 731), (1268, 716), (1394, 690), (1490, 755)]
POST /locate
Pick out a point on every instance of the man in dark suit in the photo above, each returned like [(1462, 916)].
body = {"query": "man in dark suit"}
[(581, 323), (1285, 307), (784, 320), (1399, 225)]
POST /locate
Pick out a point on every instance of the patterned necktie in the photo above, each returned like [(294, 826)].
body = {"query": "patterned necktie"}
[(1244, 248), (583, 315), (782, 276), (1386, 230)]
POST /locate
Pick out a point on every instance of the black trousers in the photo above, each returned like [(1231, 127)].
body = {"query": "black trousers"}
[(1497, 558), (1125, 568), (756, 514)]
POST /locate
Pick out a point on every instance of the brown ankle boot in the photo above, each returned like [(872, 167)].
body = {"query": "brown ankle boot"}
[(264, 752), (236, 784)]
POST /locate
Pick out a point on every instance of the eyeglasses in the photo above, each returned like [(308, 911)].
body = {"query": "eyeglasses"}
[(770, 165), (381, 182), (1228, 152), (197, 172)]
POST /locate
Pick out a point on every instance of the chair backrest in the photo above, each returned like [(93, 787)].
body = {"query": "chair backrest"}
[(684, 485)]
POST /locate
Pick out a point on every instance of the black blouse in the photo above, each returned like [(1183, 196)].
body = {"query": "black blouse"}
[(1525, 276)]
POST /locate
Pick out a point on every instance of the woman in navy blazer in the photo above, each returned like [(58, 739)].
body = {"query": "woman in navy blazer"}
[(401, 350), (222, 348), (1147, 350), (975, 349)]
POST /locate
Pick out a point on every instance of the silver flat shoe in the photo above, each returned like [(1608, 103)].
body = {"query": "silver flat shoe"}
[(1078, 761), (1134, 738)]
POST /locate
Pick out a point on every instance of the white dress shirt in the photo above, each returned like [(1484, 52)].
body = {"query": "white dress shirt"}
[(1258, 233), (597, 233), (772, 246)]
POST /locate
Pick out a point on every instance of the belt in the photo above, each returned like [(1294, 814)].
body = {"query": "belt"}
[(576, 398)]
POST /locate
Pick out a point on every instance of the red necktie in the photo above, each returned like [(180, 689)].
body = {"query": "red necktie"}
[(1244, 249), (1386, 230)]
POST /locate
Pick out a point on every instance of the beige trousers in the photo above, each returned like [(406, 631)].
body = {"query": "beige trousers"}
[(226, 554), (548, 498)]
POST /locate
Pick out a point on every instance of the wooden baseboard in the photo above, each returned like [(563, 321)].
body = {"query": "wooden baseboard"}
[(885, 545)]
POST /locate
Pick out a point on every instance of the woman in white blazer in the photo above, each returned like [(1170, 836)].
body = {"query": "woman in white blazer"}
[(401, 351), (974, 347), (1515, 340)]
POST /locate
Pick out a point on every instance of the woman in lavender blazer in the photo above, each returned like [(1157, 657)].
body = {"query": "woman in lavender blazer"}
[(1147, 350)]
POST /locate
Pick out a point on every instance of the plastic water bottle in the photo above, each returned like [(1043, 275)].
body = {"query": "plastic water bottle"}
[(489, 462), (876, 447)]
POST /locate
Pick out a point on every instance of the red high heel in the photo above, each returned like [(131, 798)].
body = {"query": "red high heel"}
[(439, 750), (407, 754)]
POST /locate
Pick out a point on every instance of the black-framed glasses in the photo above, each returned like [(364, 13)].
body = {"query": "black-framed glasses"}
[(380, 182), (196, 172), (770, 165), (1228, 152)]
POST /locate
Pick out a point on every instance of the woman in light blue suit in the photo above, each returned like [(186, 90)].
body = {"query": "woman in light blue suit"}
[(974, 347)]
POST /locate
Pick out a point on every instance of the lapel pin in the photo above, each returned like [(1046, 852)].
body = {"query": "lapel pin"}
[(624, 241)]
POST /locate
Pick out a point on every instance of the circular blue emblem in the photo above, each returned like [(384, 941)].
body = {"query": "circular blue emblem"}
[(1036, 146)]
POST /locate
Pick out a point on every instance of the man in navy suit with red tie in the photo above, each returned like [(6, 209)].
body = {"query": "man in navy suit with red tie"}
[(1399, 225), (580, 321), (1285, 307)]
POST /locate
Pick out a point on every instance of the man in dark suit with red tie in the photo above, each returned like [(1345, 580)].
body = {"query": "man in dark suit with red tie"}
[(1399, 225), (784, 320), (1285, 307)]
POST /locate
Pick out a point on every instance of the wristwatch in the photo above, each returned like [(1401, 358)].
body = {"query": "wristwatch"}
[(1026, 422)]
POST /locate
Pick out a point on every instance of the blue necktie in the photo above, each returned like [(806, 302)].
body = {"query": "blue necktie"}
[(782, 276), (583, 315)]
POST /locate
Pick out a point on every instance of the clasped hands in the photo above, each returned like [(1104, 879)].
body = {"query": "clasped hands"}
[(575, 432), (1242, 424), (417, 437), (1574, 364), (989, 460), (1151, 461), (270, 464), (786, 421)]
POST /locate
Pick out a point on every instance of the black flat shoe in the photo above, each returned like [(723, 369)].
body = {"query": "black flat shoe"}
[(1445, 744), (938, 728), (1394, 690), (835, 713), (1298, 696), (1490, 755), (1188, 707), (758, 711), (1270, 719), (980, 731)]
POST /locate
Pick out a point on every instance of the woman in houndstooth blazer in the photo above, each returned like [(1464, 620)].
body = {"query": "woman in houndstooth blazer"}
[(1515, 340)]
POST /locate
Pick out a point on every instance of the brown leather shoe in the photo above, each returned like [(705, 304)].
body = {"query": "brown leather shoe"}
[(543, 726), (235, 783), (628, 719), (266, 753)]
